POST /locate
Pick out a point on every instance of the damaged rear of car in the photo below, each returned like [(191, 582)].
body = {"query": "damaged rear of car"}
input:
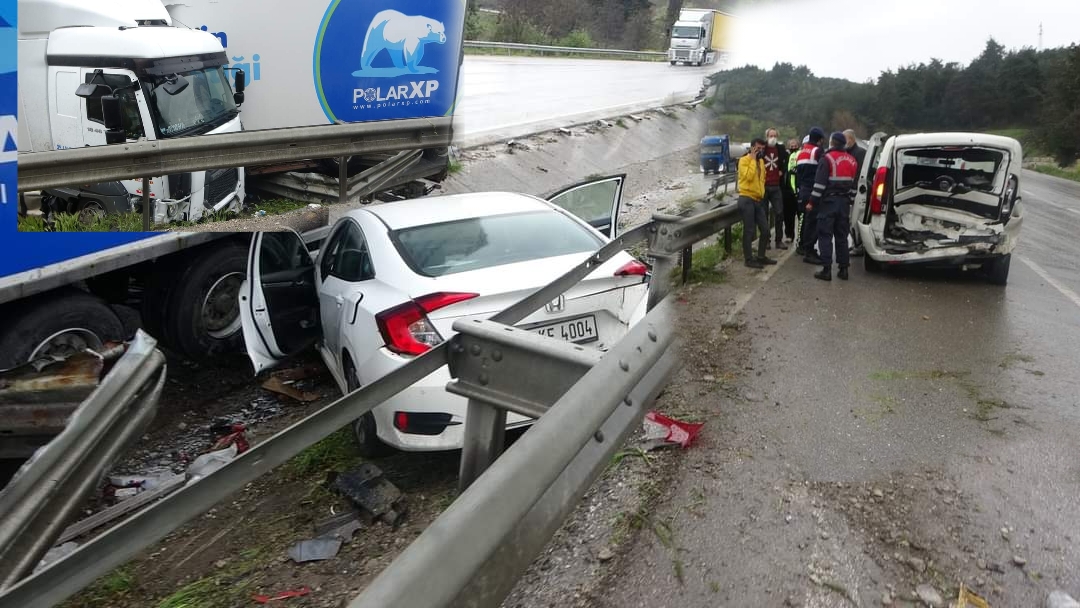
[(941, 200)]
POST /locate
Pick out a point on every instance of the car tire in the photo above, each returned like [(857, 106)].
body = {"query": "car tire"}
[(365, 430), (871, 265), (205, 320), (998, 270), (30, 323)]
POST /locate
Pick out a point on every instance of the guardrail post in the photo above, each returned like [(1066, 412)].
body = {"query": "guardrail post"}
[(727, 240), (147, 212), (660, 283), (343, 180), (687, 263), (485, 438)]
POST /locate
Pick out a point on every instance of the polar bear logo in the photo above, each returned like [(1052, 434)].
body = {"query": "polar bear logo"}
[(403, 37)]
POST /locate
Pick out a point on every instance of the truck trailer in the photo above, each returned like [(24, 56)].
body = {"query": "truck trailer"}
[(168, 82), (341, 61), (699, 37)]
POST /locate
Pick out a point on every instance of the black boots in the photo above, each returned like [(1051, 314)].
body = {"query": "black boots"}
[(842, 275), (812, 258), (825, 274), (753, 263), (767, 261)]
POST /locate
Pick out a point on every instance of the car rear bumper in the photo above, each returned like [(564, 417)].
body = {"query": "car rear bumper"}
[(956, 255)]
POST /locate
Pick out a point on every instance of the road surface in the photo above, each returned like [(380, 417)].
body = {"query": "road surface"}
[(878, 434), (505, 97)]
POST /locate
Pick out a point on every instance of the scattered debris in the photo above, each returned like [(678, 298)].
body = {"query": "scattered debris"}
[(926, 317), (231, 434), (210, 462), (658, 426), (541, 169), (605, 124), (315, 549), (303, 372), (372, 492), (1019, 560), (284, 595), (916, 564), (279, 386), (342, 526), (636, 118), (125, 493), (564, 131), (1060, 599), (605, 554), (101, 518), (968, 598), (928, 594)]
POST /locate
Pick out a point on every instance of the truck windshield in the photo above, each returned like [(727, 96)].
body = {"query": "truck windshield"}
[(684, 31), (204, 104), (712, 149)]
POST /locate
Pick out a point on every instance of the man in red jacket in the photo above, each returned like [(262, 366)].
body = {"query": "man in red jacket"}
[(776, 161)]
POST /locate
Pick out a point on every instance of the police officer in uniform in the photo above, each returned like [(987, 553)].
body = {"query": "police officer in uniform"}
[(833, 193), (806, 168)]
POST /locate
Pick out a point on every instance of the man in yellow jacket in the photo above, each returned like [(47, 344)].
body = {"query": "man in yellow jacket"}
[(755, 215)]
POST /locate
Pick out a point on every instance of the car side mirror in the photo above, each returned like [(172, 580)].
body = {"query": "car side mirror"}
[(113, 119)]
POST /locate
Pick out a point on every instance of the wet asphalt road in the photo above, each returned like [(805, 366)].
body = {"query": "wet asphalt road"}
[(974, 388)]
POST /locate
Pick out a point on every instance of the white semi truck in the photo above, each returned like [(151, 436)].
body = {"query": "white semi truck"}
[(699, 37), (83, 63)]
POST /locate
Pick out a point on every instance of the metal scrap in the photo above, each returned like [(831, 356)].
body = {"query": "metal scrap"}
[(372, 492), (314, 549), (277, 385)]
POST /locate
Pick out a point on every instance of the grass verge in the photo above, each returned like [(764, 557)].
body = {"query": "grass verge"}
[(1072, 173)]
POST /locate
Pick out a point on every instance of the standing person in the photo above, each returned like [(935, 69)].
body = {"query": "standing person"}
[(833, 193), (806, 167), (790, 200), (853, 148), (775, 167), (753, 208)]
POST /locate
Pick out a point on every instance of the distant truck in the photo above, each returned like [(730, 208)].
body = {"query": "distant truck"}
[(82, 63), (699, 36), (715, 153), (326, 61)]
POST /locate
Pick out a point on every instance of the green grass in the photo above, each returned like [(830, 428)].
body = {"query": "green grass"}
[(69, 222), (277, 206), (1072, 173), (226, 587), (1027, 140), (455, 166), (335, 453), (105, 591)]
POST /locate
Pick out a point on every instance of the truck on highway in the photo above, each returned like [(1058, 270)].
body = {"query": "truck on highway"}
[(342, 61), (699, 36), (79, 60)]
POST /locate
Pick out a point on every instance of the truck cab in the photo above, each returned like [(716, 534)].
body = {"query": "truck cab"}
[(698, 37), (170, 82)]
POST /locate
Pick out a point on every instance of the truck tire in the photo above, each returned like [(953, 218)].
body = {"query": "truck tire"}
[(60, 322), (202, 318), (674, 63), (997, 272)]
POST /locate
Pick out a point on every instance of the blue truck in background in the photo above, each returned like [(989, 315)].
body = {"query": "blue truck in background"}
[(715, 154)]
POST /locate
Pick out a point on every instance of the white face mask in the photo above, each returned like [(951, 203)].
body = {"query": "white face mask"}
[(772, 141)]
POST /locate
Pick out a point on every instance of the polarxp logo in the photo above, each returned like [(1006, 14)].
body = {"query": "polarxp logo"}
[(404, 66)]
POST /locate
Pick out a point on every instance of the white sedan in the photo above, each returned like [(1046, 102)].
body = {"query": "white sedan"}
[(390, 281)]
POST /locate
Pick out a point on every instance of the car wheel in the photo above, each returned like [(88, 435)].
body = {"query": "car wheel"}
[(998, 270), (870, 264), (364, 428)]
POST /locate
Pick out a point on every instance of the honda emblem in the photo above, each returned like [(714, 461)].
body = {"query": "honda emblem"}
[(556, 305)]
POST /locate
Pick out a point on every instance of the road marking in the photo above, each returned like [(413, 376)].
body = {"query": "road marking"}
[(1065, 291)]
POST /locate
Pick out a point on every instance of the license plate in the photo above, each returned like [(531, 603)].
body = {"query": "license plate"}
[(578, 331)]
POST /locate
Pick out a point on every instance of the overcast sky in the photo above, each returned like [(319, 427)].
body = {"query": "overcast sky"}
[(862, 38)]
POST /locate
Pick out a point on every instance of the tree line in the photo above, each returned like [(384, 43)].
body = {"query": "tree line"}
[(1032, 91)]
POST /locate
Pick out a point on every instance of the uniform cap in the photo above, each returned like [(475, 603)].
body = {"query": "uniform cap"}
[(839, 137)]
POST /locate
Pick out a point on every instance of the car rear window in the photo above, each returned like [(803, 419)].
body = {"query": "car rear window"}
[(471, 244), (974, 167)]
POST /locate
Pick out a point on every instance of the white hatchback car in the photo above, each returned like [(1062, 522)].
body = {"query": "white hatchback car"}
[(390, 281), (940, 199)]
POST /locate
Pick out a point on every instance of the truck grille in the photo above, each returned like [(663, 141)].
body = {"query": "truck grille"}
[(219, 184), (682, 54)]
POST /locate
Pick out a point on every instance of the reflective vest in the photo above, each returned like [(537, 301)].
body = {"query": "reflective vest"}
[(806, 166), (792, 158), (836, 175)]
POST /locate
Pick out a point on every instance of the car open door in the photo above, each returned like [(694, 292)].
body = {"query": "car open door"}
[(596, 201), (864, 183), (279, 305)]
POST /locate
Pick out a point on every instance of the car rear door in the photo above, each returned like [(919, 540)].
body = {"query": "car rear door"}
[(865, 181), (279, 304), (595, 201)]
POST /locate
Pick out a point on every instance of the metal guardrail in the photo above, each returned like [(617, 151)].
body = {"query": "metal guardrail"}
[(53, 485), (513, 501), (568, 50)]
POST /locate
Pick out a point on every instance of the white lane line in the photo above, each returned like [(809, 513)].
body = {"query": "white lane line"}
[(1065, 291)]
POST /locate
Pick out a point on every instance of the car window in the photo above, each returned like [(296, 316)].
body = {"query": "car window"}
[(347, 256), (592, 202), (281, 251), (483, 242), (974, 167)]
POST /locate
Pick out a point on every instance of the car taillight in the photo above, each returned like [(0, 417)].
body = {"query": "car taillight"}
[(632, 268), (406, 328), (877, 193)]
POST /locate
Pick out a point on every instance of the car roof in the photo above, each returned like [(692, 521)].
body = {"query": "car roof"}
[(917, 140), (438, 209)]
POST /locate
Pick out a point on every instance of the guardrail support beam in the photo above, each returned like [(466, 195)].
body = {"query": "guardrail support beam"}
[(485, 438)]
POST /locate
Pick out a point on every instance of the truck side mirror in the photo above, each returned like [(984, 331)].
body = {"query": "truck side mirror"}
[(241, 83), (175, 85), (87, 90), (113, 119)]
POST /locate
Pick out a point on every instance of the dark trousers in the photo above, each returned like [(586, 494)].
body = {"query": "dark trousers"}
[(774, 206), (790, 211), (834, 222), (808, 234), (754, 218)]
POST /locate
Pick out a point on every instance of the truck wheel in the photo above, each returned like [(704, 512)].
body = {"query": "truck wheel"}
[(364, 429), (674, 63), (58, 323), (998, 270), (203, 318), (870, 264)]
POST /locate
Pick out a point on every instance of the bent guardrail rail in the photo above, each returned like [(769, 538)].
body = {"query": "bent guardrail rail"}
[(53, 485), (513, 501)]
